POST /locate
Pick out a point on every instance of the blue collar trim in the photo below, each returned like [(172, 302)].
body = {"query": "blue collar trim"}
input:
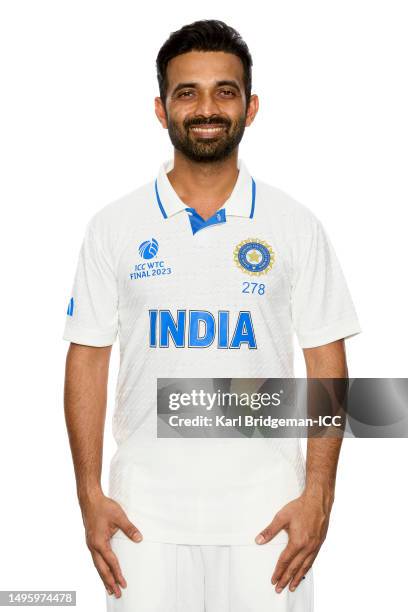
[(251, 214), (163, 212), (198, 223)]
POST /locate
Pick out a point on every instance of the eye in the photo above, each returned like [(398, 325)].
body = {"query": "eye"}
[(227, 92), (185, 94)]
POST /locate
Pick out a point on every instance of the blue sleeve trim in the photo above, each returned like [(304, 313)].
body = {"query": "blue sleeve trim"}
[(70, 309)]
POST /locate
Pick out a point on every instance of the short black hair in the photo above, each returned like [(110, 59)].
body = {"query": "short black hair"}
[(204, 35)]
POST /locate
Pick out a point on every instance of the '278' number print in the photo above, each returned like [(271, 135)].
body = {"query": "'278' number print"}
[(258, 288)]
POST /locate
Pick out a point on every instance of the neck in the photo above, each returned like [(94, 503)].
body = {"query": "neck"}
[(204, 186)]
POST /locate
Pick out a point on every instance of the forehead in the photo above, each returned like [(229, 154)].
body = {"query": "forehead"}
[(204, 67)]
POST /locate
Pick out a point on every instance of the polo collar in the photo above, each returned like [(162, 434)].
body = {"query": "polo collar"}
[(241, 202)]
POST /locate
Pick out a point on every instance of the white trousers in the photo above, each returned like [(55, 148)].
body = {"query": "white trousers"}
[(203, 578)]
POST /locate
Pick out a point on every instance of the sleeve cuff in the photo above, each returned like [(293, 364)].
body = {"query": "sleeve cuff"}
[(342, 329), (89, 337)]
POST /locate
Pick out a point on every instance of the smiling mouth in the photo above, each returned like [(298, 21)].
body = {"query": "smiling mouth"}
[(207, 130)]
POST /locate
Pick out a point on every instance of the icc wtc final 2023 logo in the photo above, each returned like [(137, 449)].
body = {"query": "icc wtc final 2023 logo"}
[(254, 257), (148, 249)]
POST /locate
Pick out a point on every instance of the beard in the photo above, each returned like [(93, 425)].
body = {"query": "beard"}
[(206, 149)]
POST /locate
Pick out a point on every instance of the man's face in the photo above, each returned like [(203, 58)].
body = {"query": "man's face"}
[(205, 106)]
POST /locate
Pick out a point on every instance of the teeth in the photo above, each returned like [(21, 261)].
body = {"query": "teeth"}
[(207, 129)]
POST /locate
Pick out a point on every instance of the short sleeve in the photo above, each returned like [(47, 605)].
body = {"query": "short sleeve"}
[(322, 307), (92, 313)]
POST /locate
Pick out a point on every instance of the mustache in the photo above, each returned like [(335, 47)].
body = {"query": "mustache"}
[(213, 120)]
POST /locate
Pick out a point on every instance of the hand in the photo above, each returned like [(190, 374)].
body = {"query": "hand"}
[(306, 520), (102, 518)]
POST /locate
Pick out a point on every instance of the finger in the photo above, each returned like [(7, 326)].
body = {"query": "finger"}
[(129, 528), (285, 559), (291, 570), (102, 546), (105, 574), (271, 530), (112, 561), (298, 577)]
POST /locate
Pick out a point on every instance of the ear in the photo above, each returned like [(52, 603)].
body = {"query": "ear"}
[(160, 111), (252, 110)]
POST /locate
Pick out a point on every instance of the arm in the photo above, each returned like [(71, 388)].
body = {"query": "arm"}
[(86, 379), (328, 361), (306, 518)]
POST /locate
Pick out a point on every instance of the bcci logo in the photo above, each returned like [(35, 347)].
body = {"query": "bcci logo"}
[(148, 249), (254, 257)]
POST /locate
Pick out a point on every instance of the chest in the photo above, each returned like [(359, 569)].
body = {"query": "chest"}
[(236, 265)]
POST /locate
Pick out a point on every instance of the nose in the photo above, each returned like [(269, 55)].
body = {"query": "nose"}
[(206, 105)]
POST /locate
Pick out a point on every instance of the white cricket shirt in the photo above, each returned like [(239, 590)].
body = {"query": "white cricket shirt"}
[(179, 293)]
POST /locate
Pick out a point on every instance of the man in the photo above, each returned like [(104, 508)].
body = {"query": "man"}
[(203, 272)]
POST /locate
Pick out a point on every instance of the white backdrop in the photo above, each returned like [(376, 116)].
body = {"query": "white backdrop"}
[(78, 130)]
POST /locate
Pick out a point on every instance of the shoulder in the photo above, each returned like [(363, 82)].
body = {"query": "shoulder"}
[(111, 227), (279, 207), (126, 210)]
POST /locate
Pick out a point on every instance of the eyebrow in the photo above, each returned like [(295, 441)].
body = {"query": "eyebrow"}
[(218, 84)]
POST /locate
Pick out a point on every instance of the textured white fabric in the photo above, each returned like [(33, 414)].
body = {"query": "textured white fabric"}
[(204, 491), (203, 578)]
